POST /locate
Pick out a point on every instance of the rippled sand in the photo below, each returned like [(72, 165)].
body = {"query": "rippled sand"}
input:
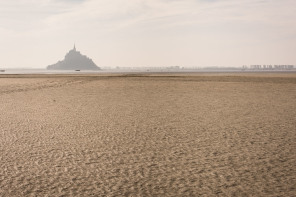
[(148, 135)]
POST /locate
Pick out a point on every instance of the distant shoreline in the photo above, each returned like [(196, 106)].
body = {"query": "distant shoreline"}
[(137, 71)]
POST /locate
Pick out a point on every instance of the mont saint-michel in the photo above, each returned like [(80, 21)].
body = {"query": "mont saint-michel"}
[(74, 60)]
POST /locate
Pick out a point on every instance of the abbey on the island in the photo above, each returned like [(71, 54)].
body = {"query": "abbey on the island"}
[(74, 60)]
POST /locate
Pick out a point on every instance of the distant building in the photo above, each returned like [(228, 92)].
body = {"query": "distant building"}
[(74, 60), (270, 67)]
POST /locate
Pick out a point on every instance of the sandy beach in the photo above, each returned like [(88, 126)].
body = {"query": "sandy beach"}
[(194, 134)]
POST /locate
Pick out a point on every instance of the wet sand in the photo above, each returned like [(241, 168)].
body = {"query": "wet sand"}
[(202, 134)]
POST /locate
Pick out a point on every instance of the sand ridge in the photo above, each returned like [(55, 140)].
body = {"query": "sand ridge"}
[(148, 135)]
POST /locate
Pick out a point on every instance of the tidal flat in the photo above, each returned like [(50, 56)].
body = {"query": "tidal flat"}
[(157, 134)]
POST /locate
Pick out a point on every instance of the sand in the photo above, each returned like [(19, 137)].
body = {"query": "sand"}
[(202, 134)]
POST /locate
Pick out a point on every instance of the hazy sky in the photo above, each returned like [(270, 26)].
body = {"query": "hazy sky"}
[(36, 33)]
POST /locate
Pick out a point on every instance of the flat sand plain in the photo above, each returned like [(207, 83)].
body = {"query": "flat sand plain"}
[(202, 134)]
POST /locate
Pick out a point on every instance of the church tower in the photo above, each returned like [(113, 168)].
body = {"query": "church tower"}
[(74, 49)]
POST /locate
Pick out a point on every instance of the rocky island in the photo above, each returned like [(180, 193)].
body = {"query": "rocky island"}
[(74, 60)]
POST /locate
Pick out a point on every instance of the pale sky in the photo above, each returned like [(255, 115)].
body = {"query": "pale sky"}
[(135, 33)]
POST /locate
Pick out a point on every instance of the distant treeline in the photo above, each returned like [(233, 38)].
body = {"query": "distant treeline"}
[(212, 68)]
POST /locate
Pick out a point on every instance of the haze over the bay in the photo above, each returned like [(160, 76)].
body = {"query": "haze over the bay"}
[(134, 33)]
